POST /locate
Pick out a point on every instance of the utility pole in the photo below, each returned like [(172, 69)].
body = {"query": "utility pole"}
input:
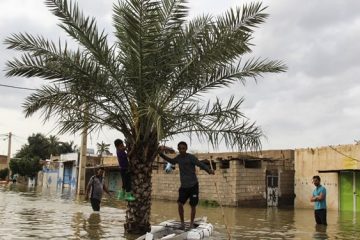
[(82, 163), (83, 152), (9, 154)]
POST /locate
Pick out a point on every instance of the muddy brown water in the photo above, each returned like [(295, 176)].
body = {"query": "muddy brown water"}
[(27, 213)]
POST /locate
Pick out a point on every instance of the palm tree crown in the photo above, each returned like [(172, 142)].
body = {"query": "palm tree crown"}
[(151, 81)]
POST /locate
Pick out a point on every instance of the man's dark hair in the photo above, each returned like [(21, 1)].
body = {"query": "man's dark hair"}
[(182, 143), (317, 177), (101, 168), (117, 142)]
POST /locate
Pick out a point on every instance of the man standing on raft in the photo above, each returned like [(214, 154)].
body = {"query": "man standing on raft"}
[(189, 188)]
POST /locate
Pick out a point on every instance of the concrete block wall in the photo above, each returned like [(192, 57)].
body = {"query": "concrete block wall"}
[(109, 160), (236, 185), (286, 188), (165, 186), (251, 188)]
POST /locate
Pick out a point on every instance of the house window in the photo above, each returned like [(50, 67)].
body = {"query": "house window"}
[(207, 162), (224, 164), (272, 181), (252, 163)]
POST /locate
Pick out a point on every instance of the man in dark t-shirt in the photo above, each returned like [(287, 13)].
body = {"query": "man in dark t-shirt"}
[(189, 188), (95, 189)]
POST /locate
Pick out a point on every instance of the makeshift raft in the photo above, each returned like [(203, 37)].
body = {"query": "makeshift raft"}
[(172, 229)]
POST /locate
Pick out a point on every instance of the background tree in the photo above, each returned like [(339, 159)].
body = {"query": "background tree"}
[(67, 147), (25, 166), (53, 145), (38, 146), (4, 173), (101, 149), (151, 84), (42, 147)]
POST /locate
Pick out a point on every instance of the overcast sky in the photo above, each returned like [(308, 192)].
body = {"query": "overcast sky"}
[(315, 103)]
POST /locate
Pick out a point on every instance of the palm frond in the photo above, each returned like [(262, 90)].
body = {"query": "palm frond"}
[(82, 29), (217, 123), (213, 45), (149, 84)]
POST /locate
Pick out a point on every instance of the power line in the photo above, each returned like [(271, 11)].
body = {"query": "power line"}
[(22, 88), (16, 136), (345, 155)]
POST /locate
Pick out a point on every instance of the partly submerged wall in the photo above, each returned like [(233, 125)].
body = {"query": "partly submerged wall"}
[(240, 178)]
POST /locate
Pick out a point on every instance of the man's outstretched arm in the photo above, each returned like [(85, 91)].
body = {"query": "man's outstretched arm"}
[(166, 158)]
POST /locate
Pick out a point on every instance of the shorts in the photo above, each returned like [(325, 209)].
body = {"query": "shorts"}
[(191, 193), (95, 204)]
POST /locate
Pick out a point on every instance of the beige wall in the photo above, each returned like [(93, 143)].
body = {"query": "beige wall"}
[(110, 161), (309, 161), (3, 161)]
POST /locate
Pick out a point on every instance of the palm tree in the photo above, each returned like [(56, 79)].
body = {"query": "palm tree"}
[(150, 84), (67, 147), (101, 149), (53, 145)]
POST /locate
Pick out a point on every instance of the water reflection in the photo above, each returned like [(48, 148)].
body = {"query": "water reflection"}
[(87, 227), (320, 232), (32, 214)]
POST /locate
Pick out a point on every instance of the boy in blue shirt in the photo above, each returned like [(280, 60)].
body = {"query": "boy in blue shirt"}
[(319, 199)]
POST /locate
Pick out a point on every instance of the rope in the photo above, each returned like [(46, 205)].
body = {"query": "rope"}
[(221, 206)]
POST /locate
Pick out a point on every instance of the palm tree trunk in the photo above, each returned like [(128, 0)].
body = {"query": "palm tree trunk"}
[(138, 211)]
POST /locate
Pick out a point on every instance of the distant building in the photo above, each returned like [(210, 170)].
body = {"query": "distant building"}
[(339, 170), (3, 161), (60, 172)]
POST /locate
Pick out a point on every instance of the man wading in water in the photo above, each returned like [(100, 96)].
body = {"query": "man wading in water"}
[(189, 188), (95, 189), (319, 199)]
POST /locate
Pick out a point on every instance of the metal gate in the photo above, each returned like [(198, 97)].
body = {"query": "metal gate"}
[(272, 190), (114, 178), (67, 174)]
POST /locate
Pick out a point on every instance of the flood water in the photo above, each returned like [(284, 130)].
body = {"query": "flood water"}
[(26, 213)]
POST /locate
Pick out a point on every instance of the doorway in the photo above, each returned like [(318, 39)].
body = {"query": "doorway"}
[(272, 182), (349, 191)]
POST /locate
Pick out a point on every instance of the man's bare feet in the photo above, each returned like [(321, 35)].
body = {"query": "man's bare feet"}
[(182, 226)]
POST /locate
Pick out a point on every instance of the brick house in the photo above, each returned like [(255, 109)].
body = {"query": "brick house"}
[(241, 179)]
